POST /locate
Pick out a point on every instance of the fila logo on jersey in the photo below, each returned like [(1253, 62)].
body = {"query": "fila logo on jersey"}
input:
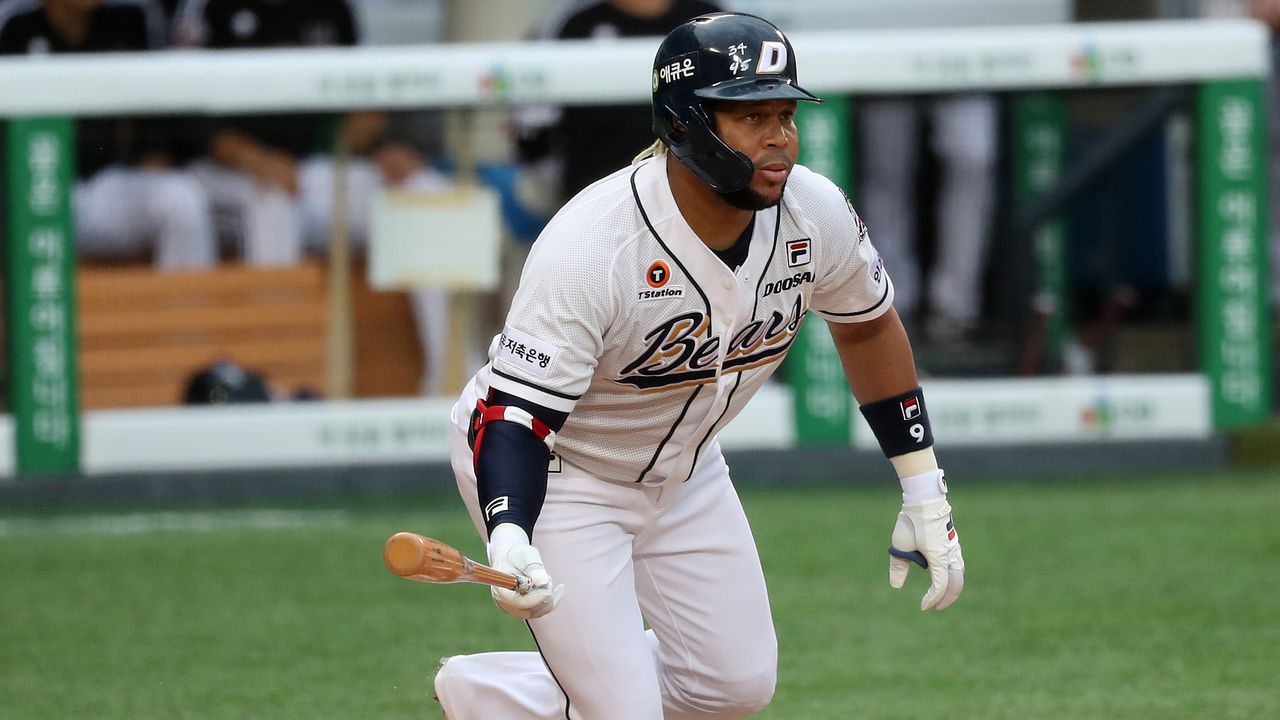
[(658, 274), (951, 530), (798, 252), (911, 408)]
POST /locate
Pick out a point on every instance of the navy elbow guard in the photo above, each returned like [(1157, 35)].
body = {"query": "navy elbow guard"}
[(900, 423)]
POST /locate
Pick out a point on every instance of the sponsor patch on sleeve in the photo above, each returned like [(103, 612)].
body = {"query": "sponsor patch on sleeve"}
[(525, 352)]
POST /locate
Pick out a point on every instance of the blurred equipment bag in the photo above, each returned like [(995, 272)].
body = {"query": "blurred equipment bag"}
[(225, 382)]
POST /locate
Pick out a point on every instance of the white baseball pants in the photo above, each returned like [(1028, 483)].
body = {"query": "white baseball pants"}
[(681, 558), (265, 222), (121, 212)]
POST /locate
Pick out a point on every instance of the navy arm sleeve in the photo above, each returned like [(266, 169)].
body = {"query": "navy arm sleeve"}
[(511, 465)]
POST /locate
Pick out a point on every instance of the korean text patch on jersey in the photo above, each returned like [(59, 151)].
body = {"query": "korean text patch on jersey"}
[(525, 352)]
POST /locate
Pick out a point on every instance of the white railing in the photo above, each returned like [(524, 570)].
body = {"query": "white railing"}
[(452, 75)]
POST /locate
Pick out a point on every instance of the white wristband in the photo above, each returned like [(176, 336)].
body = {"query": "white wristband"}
[(924, 487), (918, 462), (508, 534)]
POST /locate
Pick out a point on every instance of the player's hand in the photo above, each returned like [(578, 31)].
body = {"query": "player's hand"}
[(925, 535), (510, 551)]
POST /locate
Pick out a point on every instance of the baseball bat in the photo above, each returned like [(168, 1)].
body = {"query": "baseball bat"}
[(417, 557)]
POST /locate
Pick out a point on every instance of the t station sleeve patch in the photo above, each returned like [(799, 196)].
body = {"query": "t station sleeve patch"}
[(525, 352)]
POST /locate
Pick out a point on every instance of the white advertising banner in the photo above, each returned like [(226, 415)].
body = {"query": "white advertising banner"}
[(997, 412), (1055, 410), (266, 436)]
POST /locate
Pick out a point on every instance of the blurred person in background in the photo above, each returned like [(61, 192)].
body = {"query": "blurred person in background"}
[(572, 147), (130, 198), (252, 169), (288, 156), (962, 133), (274, 175)]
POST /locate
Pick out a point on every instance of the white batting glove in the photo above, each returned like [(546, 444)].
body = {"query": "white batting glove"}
[(925, 535), (510, 551)]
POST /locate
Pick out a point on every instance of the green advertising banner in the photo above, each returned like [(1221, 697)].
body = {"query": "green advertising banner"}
[(1234, 341), (41, 304), (821, 397), (1038, 151)]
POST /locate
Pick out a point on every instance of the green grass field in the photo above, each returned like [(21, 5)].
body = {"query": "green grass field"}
[(1112, 599)]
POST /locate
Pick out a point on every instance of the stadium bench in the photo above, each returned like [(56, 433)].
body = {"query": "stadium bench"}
[(143, 333)]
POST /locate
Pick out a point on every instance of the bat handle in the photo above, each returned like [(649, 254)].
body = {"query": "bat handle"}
[(523, 585)]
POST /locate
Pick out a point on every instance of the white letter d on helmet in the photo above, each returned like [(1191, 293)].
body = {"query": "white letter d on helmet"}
[(773, 58)]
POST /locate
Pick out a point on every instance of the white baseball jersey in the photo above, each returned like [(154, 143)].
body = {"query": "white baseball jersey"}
[(628, 321)]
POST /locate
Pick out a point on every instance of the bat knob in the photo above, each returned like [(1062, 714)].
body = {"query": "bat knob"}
[(523, 585), (403, 553)]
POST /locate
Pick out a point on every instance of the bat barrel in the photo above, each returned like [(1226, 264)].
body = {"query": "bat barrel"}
[(404, 553)]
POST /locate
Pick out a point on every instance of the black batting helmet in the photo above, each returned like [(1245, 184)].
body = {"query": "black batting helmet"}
[(726, 57)]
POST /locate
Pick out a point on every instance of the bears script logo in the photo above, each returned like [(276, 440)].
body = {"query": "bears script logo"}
[(681, 351)]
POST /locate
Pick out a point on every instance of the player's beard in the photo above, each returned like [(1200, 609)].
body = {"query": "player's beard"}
[(748, 199)]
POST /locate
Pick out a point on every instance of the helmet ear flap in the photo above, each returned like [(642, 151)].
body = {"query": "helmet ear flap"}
[(679, 125), (679, 129), (702, 151)]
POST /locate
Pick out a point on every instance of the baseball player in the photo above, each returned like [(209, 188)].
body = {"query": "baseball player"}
[(650, 310)]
